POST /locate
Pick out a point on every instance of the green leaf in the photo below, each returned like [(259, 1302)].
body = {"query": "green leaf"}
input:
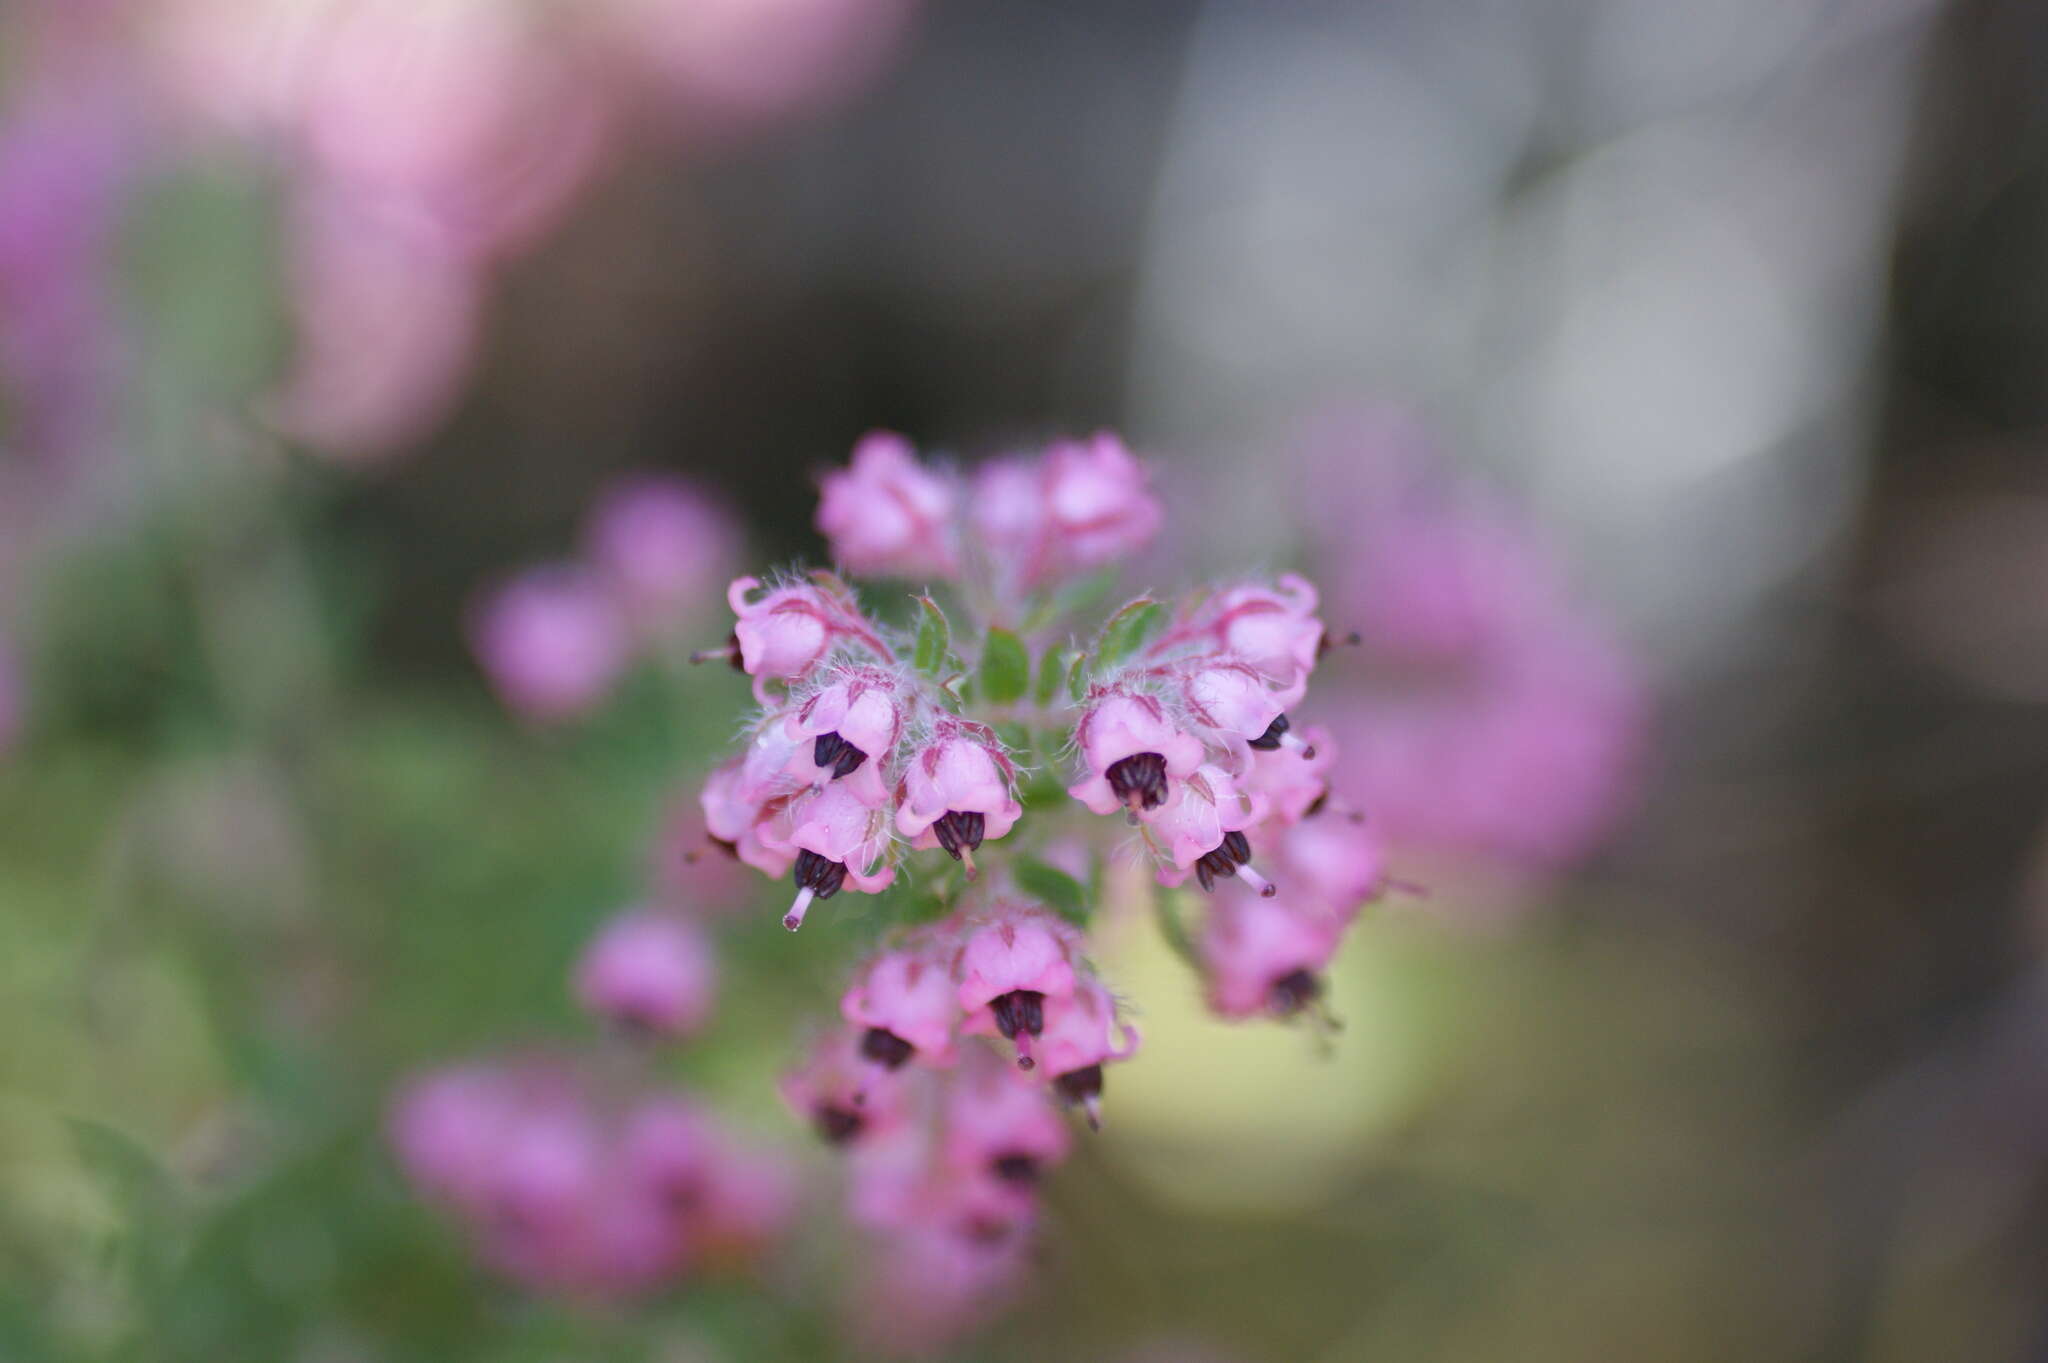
[(146, 1196), (934, 638), (1059, 891), (1005, 668), (1052, 670), (1077, 677), (1127, 631), (1072, 601)]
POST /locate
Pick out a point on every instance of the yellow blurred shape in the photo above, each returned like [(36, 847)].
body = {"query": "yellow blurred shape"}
[(1258, 1114)]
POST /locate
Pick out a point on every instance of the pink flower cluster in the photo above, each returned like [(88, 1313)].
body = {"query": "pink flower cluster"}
[(1078, 505), (592, 1180), (963, 1037), (555, 638), (565, 1190), (1490, 712)]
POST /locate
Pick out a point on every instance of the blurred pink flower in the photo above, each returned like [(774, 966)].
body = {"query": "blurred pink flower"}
[(650, 971), (69, 153), (1081, 504), (388, 313), (551, 641), (887, 515), (1266, 956), (664, 545), (562, 1193), (692, 869), (1531, 757), (473, 115), (1487, 711)]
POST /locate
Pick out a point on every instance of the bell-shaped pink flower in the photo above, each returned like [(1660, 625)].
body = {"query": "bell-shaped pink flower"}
[(1270, 628), (1078, 506), (1335, 859), (999, 1126), (1266, 955), (1293, 782), (1241, 704), (749, 1204), (846, 731), (891, 1173), (551, 641), (838, 841), (887, 515), (783, 633), (754, 830), (1098, 504), (1083, 1032), (661, 542), (1133, 752), (957, 791), (1011, 962), (445, 1128), (667, 1146), (906, 1001), (389, 314), (653, 972), (1007, 513), (1201, 830), (841, 1094)]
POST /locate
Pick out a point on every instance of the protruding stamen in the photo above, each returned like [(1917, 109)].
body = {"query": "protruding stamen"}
[(1082, 1088), (794, 919), (1274, 736), (1327, 642), (967, 858), (1024, 1058), (1266, 888), (818, 873), (1294, 743), (729, 650)]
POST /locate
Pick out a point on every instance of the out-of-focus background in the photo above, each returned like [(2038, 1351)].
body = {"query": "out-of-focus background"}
[(1720, 1029)]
